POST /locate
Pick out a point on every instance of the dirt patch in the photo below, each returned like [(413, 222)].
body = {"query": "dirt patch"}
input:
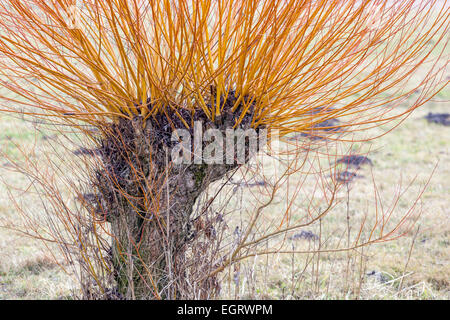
[(320, 130), (246, 184), (305, 235), (378, 275), (355, 160), (85, 152), (438, 118), (347, 176)]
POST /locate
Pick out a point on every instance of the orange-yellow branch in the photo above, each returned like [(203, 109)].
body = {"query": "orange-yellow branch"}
[(302, 62)]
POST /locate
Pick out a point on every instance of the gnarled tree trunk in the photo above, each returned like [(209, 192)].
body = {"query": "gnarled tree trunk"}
[(149, 202)]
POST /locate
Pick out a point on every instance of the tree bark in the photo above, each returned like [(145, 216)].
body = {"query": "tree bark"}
[(149, 203)]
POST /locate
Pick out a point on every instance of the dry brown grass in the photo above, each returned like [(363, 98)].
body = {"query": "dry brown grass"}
[(380, 271), (412, 150)]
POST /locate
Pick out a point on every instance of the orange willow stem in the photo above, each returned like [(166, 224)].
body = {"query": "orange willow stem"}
[(115, 58)]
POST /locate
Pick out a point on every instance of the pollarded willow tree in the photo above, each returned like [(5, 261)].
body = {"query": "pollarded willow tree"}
[(128, 73)]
